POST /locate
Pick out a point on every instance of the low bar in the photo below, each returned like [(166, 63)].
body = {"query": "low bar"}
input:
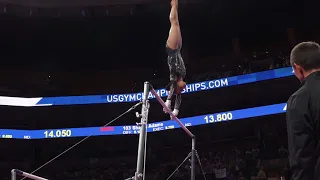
[(15, 172), (171, 114)]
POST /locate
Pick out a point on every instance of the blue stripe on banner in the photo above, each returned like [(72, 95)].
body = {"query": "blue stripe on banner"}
[(152, 127), (134, 97)]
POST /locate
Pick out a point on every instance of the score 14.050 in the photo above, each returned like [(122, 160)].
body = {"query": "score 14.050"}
[(57, 133), (218, 117)]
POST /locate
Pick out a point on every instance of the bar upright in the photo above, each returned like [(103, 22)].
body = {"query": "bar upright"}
[(15, 172), (139, 175), (13, 175), (193, 158)]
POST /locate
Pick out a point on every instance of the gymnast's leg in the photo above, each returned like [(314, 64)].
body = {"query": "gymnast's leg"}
[(174, 40)]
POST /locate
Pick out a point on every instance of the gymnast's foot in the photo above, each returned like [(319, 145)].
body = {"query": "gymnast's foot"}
[(168, 104), (174, 3)]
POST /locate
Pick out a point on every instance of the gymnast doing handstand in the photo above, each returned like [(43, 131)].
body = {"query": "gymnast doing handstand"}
[(175, 61)]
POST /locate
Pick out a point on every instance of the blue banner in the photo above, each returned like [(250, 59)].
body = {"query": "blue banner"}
[(134, 97), (152, 127)]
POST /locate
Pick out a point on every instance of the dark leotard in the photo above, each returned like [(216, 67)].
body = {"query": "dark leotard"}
[(177, 70)]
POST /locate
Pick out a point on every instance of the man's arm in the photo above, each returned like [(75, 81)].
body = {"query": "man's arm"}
[(300, 141)]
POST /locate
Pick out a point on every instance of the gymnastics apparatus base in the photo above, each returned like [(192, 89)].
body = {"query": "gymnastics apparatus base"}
[(141, 158), (16, 172)]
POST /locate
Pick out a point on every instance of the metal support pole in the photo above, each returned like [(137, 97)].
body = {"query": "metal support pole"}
[(13, 175), (15, 172), (139, 175), (193, 159)]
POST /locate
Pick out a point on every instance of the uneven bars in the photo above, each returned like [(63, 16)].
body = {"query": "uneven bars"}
[(15, 172), (170, 112)]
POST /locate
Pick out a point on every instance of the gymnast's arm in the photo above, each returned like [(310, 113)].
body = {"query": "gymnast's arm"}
[(178, 101)]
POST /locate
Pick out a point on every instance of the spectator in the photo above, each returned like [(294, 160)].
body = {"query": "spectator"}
[(283, 152), (262, 174), (287, 173), (241, 176), (253, 177)]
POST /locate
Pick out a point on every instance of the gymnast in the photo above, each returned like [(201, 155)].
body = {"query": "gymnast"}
[(175, 62)]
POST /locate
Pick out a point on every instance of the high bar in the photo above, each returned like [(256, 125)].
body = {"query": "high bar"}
[(170, 112), (24, 174)]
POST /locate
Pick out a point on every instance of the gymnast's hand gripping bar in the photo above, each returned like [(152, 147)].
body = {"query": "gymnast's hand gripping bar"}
[(170, 112), (15, 172)]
